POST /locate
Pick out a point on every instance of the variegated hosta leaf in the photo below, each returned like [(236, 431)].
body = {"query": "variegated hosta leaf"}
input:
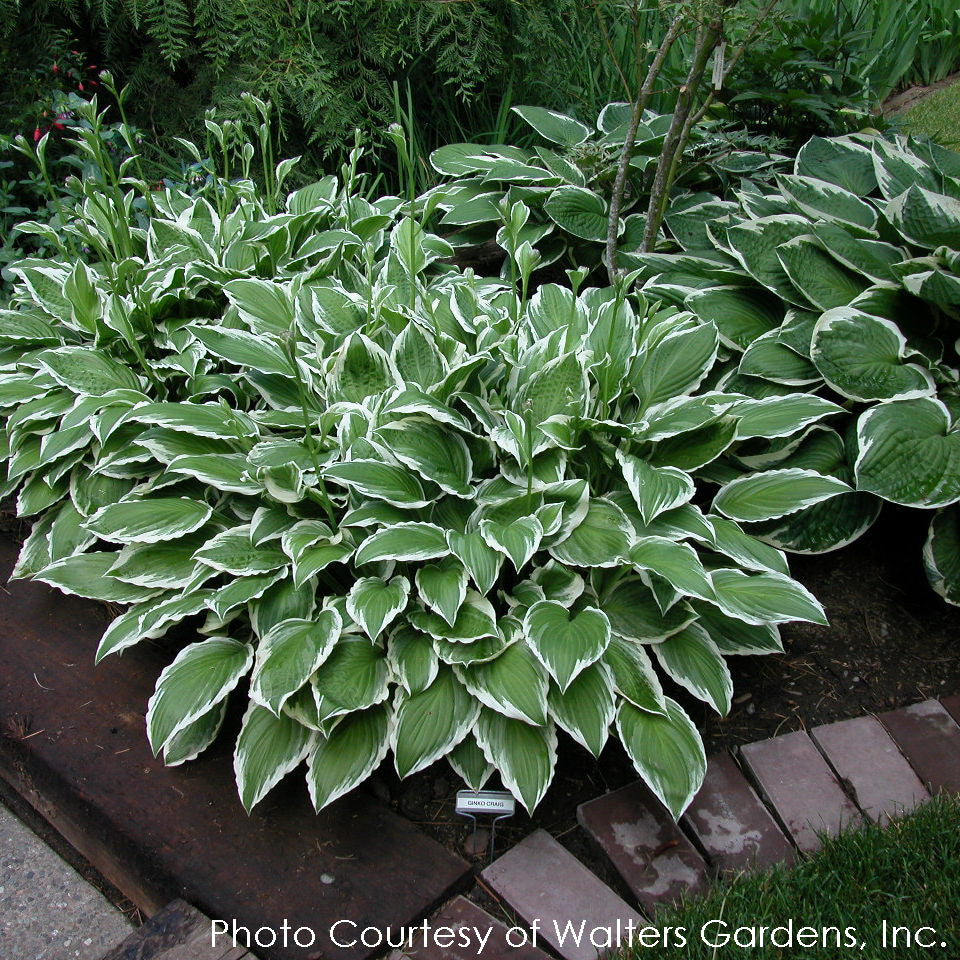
[(655, 489), (268, 748), (677, 563), (519, 540), (374, 603), (524, 755), (586, 708), (148, 520), (470, 764), (288, 654), (481, 561), (431, 722), (601, 539), (666, 750), (941, 554), (862, 357), (909, 453), (760, 598), (353, 750), (693, 660), (565, 645), (443, 587), (200, 677), (404, 542), (775, 493), (514, 684)]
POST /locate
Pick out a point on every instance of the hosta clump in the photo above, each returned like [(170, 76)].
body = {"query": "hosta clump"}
[(404, 508), (841, 280), (566, 182)]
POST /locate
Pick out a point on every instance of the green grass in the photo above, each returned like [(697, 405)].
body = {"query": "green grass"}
[(938, 116), (907, 875)]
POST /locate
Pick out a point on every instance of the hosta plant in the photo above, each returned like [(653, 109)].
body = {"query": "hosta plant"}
[(403, 509), (841, 280), (567, 181)]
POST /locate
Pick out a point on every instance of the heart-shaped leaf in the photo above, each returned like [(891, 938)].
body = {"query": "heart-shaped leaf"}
[(565, 645)]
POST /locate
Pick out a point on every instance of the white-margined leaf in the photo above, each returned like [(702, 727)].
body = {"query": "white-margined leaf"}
[(586, 708), (565, 645), (666, 750), (775, 493), (514, 684), (374, 602), (655, 489), (693, 660), (268, 748), (764, 597), (200, 677), (404, 542), (443, 587), (149, 520)]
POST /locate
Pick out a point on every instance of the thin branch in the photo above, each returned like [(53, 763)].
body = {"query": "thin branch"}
[(707, 39), (643, 97)]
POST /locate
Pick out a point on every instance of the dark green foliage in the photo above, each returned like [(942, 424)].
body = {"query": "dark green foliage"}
[(331, 66)]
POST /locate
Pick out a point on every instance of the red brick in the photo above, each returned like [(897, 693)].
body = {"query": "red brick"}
[(730, 822), (871, 767), (930, 739), (550, 888), (460, 913), (637, 833), (800, 787)]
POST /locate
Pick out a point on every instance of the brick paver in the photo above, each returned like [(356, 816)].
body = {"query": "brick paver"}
[(871, 766), (462, 915), (930, 739), (638, 835), (801, 788), (952, 706), (550, 888), (730, 822)]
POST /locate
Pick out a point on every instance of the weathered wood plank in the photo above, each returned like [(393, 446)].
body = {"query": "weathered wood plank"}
[(73, 742), (177, 932)]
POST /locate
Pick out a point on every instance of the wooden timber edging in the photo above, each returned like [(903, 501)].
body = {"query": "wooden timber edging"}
[(73, 743)]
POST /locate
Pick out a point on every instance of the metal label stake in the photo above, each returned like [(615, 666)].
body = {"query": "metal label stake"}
[(498, 803)]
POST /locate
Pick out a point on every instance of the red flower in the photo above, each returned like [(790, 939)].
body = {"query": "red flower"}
[(36, 134), (79, 86)]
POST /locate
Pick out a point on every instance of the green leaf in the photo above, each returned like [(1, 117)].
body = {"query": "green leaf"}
[(264, 305), (678, 363), (432, 722), (222, 471), (633, 675), (481, 561), (267, 749), (212, 420), (289, 653), (476, 618), (565, 645), (635, 615), (434, 451), (382, 481), (654, 489), (200, 677), (232, 551), (243, 349), (821, 200), (353, 677), (579, 211), (87, 575), (167, 565), (823, 281), (838, 160), (514, 684), (925, 218), (412, 659), (764, 597), (666, 750), (470, 764), (553, 126), (518, 540), (733, 637), (362, 369), (755, 244), (354, 749), (768, 358), (149, 520), (909, 453), (775, 493), (374, 603), (862, 357), (404, 542), (443, 587), (692, 659), (741, 314), (941, 554), (782, 416), (586, 708), (524, 755), (87, 371), (194, 738), (601, 539)]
